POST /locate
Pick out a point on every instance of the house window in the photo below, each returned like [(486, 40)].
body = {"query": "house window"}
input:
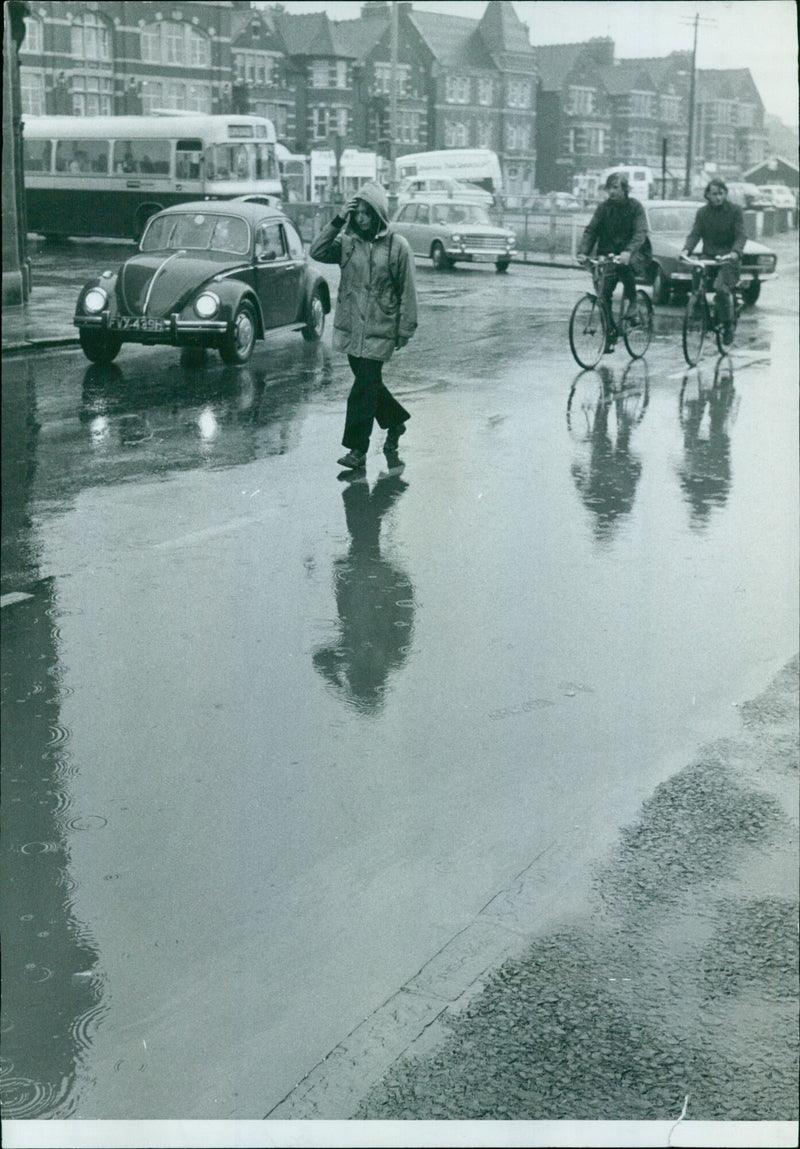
[(34, 35), (457, 90), (456, 134), (519, 94), (191, 96), (517, 136), (484, 134), (91, 38), (329, 74), (170, 43), (32, 92), (747, 115), (586, 141), (485, 90), (253, 67), (580, 101), (92, 94), (408, 126), (642, 103), (382, 79)]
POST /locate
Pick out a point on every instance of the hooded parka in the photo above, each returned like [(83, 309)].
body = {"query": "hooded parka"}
[(377, 302)]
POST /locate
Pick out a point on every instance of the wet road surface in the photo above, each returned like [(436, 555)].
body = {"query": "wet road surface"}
[(273, 739)]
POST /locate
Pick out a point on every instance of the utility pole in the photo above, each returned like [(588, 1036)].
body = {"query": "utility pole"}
[(393, 112), (687, 184)]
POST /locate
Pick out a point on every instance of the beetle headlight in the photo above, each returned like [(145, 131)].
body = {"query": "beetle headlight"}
[(94, 300), (207, 304)]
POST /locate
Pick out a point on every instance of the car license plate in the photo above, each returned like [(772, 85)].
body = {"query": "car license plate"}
[(136, 323), (484, 258)]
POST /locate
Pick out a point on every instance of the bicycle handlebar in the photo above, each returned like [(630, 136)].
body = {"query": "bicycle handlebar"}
[(697, 261)]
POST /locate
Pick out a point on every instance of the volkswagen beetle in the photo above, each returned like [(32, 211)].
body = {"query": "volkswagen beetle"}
[(213, 273)]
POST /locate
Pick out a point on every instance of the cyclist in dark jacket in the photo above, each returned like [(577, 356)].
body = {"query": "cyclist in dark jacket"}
[(618, 227), (720, 225)]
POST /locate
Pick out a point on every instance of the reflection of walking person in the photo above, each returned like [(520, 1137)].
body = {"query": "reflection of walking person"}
[(374, 600), (376, 313)]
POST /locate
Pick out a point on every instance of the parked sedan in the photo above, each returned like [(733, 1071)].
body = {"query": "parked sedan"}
[(669, 223), (450, 231), (212, 273)]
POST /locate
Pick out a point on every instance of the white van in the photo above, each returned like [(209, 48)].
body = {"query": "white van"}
[(639, 178), (467, 165)]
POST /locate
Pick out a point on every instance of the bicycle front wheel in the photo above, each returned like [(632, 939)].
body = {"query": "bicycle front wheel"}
[(588, 328), (694, 328), (638, 327)]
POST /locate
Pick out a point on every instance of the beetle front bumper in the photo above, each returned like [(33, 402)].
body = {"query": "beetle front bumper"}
[(143, 329)]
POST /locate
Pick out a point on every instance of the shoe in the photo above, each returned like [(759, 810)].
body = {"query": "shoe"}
[(353, 460), (393, 436)]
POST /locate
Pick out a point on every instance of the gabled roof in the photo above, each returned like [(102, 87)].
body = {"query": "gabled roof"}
[(357, 38), (726, 83), (661, 68), (627, 76), (242, 21), (555, 62), (307, 35), (448, 37), (502, 30)]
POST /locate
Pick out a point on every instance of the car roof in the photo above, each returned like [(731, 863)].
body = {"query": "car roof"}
[(244, 209)]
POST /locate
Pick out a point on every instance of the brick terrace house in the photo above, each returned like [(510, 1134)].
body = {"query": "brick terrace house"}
[(264, 82), (482, 88), (730, 130), (116, 58), (573, 121)]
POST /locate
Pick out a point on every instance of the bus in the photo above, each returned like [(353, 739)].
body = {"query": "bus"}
[(468, 165), (106, 175)]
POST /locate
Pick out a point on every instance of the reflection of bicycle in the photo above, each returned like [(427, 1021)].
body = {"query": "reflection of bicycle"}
[(593, 328), (592, 390), (700, 317)]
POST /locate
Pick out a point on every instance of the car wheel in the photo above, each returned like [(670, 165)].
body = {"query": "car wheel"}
[(439, 259), (751, 293), (99, 346), (313, 330), (661, 287), (237, 347), (502, 266)]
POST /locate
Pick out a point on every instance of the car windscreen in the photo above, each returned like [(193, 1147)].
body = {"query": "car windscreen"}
[(196, 231), (678, 218), (460, 213)]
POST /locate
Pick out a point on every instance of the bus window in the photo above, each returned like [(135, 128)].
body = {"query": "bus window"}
[(228, 162), (188, 157), (145, 157), (82, 157), (36, 155), (265, 162)]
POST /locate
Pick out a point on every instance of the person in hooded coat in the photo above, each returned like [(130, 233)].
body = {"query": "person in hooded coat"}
[(376, 313)]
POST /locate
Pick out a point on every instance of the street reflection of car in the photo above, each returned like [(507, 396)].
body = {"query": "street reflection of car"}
[(449, 231), (669, 222), (213, 273)]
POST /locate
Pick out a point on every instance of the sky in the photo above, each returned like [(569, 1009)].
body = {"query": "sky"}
[(757, 34)]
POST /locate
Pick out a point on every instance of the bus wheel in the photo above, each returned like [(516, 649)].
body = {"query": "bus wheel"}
[(99, 346), (238, 346)]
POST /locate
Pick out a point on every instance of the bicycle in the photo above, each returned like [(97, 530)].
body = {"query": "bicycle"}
[(700, 317), (593, 330)]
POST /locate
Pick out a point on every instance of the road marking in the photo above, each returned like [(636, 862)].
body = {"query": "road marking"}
[(214, 532), (14, 596)]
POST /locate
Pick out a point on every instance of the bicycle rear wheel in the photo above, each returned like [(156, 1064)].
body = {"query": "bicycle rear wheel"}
[(637, 336), (588, 328), (694, 328)]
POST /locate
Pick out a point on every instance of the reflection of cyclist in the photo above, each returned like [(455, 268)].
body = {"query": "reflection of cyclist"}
[(705, 471), (618, 227), (608, 482), (720, 225)]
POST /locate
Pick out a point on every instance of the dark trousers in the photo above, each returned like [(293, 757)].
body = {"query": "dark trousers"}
[(620, 273), (369, 401)]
